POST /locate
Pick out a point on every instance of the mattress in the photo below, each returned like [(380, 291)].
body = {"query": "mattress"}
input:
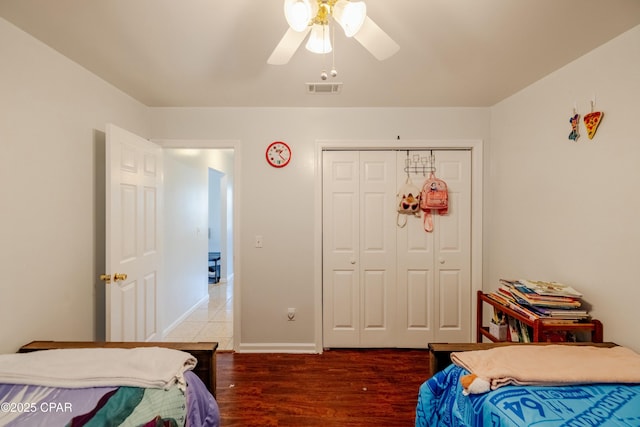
[(149, 386), (30, 405), (442, 403)]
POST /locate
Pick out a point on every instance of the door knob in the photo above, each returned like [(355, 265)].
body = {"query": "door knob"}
[(353, 261), (116, 277)]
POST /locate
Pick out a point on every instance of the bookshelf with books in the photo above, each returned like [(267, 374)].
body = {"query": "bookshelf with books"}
[(521, 322)]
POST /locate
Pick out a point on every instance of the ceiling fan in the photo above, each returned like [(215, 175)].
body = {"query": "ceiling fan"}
[(316, 16)]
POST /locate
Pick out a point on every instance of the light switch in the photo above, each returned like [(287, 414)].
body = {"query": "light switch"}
[(258, 241)]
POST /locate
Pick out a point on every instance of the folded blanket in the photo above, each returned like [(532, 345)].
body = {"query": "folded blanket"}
[(550, 365), (153, 367)]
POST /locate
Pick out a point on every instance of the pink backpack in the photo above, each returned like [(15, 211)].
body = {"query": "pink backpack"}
[(434, 196)]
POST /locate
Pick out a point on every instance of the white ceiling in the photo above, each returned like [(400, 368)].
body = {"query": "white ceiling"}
[(194, 53)]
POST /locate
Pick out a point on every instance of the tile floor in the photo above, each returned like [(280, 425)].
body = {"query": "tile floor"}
[(210, 321)]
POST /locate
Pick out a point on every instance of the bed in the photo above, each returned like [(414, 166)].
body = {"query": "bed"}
[(50, 383), (541, 384)]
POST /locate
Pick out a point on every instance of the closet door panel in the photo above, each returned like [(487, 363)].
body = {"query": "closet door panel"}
[(415, 289), (415, 263), (415, 271), (415, 241), (340, 246), (377, 247), (452, 250), (344, 232), (436, 308), (373, 232), (344, 313), (419, 293), (451, 295), (451, 241), (374, 295)]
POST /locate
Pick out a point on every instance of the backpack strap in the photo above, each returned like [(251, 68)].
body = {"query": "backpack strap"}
[(401, 225), (427, 221)]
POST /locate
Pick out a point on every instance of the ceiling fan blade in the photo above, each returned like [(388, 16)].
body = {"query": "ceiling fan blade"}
[(287, 46), (376, 41)]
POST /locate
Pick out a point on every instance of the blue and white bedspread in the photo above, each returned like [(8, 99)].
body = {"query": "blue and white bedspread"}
[(34, 405), (442, 403)]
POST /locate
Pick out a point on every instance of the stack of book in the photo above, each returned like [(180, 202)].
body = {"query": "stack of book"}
[(552, 302)]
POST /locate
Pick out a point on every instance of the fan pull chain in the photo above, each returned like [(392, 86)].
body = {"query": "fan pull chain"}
[(323, 74), (334, 72)]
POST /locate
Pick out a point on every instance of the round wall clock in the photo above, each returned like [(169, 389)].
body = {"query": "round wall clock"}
[(278, 154)]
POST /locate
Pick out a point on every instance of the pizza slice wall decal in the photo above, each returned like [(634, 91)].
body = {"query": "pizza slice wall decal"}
[(592, 121)]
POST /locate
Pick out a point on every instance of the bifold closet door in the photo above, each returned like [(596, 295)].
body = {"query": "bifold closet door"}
[(434, 269), (359, 248), (391, 286)]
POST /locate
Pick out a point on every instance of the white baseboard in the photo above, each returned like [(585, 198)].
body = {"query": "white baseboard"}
[(309, 348), (182, 318)]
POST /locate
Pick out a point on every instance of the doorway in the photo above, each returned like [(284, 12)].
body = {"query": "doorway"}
[(213, 312)]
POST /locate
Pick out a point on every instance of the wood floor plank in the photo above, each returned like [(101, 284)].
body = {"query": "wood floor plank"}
[(346, 388)]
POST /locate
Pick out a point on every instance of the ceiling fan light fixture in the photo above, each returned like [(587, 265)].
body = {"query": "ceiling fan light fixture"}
[(325, 15), (350, 15), (298, 13), (319, 39)]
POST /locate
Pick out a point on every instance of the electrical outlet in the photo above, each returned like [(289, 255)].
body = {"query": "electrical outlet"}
[(291, 314)]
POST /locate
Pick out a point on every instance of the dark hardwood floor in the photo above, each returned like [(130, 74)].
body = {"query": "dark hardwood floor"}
[(377, 387)]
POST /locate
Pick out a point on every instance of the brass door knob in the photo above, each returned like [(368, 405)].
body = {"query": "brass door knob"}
[(116, 277)]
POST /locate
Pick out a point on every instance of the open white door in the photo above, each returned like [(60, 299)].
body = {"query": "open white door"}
[(133, 247)]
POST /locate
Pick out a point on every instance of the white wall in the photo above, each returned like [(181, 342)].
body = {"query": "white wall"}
[(278, 204), (215, 213), (186, 208), (568, 211), (51, 186), (52, 121)]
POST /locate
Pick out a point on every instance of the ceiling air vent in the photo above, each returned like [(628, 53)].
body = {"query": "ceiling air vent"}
[(324, 87)]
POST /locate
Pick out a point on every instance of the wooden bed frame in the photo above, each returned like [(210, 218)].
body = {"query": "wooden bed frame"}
[(204, 352), (440, 353)]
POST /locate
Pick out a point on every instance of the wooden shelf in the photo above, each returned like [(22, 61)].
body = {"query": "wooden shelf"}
[(539, 327)]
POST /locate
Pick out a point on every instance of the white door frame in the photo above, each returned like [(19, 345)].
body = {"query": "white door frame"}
[(475, 145), (237, 188)]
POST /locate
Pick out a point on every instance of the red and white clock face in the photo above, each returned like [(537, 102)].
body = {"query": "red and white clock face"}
[(278, 154)]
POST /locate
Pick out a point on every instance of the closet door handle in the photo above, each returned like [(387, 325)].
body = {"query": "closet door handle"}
[(353, 261), (441, 260)]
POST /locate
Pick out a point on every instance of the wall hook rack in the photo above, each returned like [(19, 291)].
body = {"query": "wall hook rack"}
[(417, 164)]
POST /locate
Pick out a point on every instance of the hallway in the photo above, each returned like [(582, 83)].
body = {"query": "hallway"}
[(210, 321)]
